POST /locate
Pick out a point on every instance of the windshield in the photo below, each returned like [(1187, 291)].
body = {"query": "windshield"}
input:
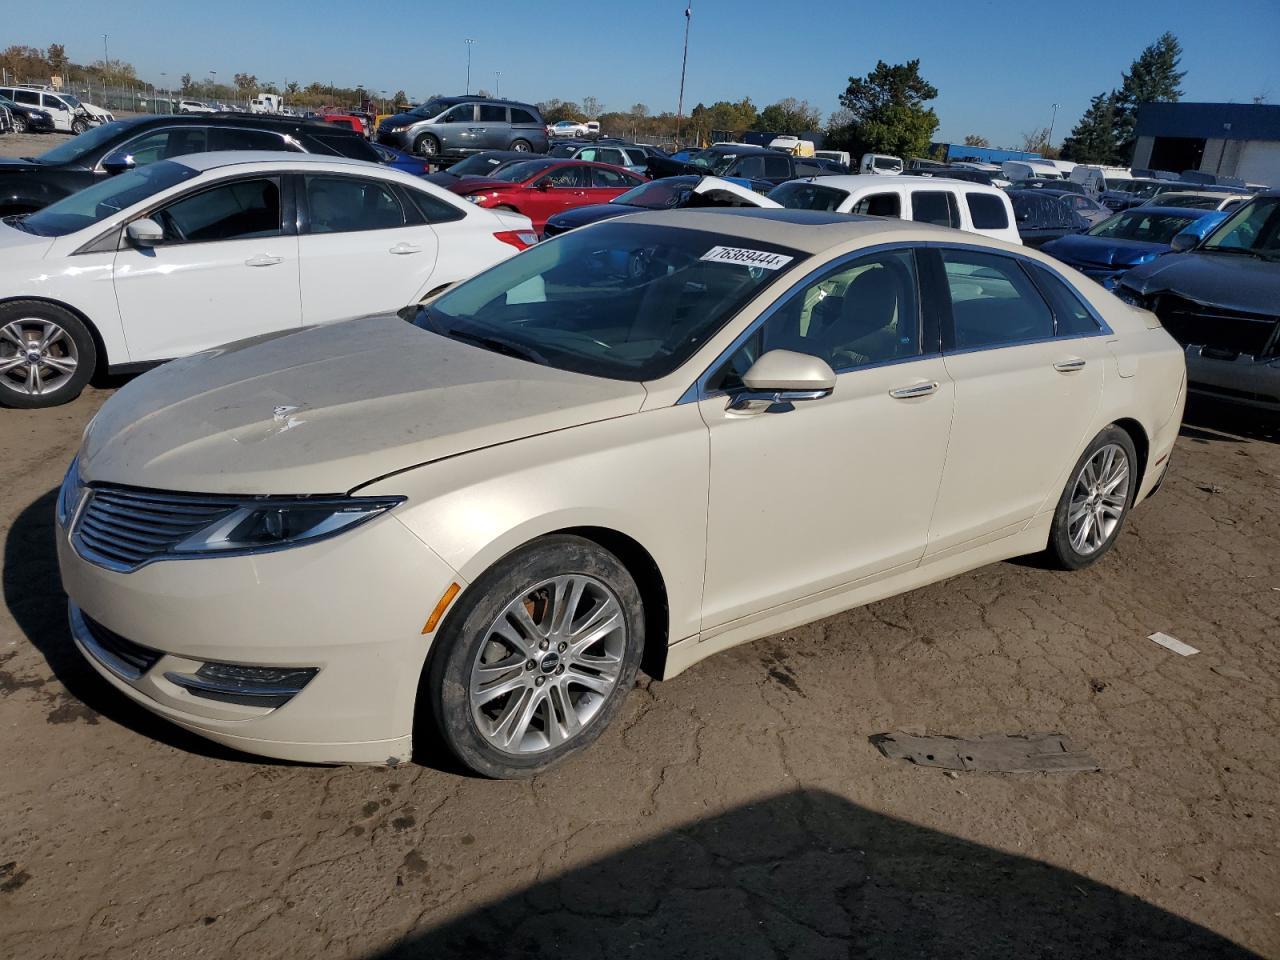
[(107, 197), (564, 150), (798, 195), (887, 163), (1139, 225), (477, 165), (522, 171), (621, 300), (713, 160), (73, 150), (659, 194), (1194, 200), (71, 100), (1253, 229), (429, 109)]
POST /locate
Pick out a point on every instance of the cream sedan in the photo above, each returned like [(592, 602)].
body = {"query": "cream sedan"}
[(641, 442)]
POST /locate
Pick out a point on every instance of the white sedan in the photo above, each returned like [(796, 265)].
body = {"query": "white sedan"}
[(186, 254), (646, 440)]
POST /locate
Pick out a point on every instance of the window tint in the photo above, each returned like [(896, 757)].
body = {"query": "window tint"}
[(29, 97), (166, 144), (521, 116), (222, 138), (434, 209), (993, 301), (986, 211), (347, 204), (935, 206), (612, 179), (748, 167), (860, 313), (777, 167), (612, 155), (348, 145), (491, 113), (808, 196), (567, 178), (463, 113), (586, 153), (1071, 317), (880, 205), (241, 210)]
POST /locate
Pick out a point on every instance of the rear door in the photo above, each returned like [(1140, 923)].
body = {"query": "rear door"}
[(607, 183), (228, 269)]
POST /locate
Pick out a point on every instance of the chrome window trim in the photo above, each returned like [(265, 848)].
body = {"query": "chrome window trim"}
[(697, 391)]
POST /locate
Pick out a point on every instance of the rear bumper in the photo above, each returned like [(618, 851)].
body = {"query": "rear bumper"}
[(1242, 380)]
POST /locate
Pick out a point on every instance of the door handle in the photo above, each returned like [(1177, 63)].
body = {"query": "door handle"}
[(1070, 366), (915, 390), (403, 248), (263, 260)]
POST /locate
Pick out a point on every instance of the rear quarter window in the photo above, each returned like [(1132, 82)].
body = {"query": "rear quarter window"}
[(353, 147), (987, 211), (522, 116)]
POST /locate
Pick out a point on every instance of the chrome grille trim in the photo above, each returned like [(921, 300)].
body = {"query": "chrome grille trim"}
[(122, 528)]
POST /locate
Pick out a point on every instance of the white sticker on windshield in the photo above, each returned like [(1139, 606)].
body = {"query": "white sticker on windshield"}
[(747, 258)]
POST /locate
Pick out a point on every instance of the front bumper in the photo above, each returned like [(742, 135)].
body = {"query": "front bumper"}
[(353, 607), (1240, 380), (401, 141)]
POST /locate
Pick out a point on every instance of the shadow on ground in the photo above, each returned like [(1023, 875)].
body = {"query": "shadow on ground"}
[(33, 594), (1209, 420), (811, 875)]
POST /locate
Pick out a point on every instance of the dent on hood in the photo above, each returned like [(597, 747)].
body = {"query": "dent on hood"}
[(1212, 280)]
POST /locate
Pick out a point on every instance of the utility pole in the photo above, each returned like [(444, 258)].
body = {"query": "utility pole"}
[(469, 42), (497, 83), (1052, 121), (684, 62), (106, 61)]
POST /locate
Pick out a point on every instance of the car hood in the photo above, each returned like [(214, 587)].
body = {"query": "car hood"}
[(1104, 252), (581, 216), (1224, 280), (327, 408), (466, 185), (18, 247), (15, 165), (400, 120)]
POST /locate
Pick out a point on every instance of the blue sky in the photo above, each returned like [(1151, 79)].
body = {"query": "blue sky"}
[(998, 66)]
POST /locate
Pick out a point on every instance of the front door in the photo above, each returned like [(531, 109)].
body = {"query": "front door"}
[(1027, 362), (562, 188), (226, 270), (834, 490), (362, 251)]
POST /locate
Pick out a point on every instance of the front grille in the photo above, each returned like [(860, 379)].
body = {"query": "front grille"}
[(137, 658), (123, 528), (1216, 328)]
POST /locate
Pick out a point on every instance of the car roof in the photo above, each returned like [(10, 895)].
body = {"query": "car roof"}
[(1209, 194), (744, 148), (278, 160), (856, 181), (1194, 212)]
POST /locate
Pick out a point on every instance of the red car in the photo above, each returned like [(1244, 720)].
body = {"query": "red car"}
[(542, 187)]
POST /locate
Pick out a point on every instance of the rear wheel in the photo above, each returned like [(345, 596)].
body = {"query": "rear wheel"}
[(426, 146), (538, 657), (522, 146), (1096, 501), (46, 355)]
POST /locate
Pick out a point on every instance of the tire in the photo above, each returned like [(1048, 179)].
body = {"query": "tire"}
[(426, 146), (522, 146), (78, 127), (1092, 510), (19, 124), (60, 337), (561, 695)]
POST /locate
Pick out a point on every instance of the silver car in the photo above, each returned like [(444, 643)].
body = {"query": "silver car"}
[(458, 126)]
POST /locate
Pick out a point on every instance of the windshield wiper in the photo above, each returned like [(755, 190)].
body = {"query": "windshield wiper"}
[(498, 346), (1238, 251)]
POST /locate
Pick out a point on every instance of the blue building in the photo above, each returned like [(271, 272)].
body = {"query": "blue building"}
[(961, 151), (1239, 140)]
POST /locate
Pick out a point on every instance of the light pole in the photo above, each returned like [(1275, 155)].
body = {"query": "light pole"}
[(163, 84), (469, 42), (1052, 120), (684, 62), (497, 83)]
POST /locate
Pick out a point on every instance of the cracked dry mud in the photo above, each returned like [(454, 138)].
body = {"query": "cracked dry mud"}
[(737, 810)]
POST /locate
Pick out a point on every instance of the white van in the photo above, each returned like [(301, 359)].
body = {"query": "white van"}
[(839, 156), (1097, 179), (880, 164), (1017, 170), (959, 204), (68, 115), (266, 103)]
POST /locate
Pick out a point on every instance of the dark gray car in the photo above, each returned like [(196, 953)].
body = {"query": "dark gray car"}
[(459, 126)]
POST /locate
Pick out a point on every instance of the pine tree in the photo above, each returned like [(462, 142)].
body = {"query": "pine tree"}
[(1093, 140), (1152, 78)]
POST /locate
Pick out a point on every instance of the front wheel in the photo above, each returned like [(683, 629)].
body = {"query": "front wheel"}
[(426, 146), (78, 127), (46, 355), (1096, 501), (19, 124), (538, 657)]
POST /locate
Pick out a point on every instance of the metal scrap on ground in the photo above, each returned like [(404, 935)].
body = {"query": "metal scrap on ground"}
[(990, 752), (1174, 644)]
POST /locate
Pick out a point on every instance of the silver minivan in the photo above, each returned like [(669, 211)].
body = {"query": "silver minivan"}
[(458, 126)]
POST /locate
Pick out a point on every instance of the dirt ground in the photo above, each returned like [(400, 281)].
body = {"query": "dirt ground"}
[(737, 810)]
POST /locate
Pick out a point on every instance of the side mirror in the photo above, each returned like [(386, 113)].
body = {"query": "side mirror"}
[(784, 377), (144, 233), (1184, 242), (118, 162)]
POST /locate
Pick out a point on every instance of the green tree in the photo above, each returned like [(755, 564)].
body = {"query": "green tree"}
[(1093, 139), (400, 99), (788, 116), (557, 109), (974, 140), (245, 82), (723, 116), (186, 82), (1152, 78), (888, 112)]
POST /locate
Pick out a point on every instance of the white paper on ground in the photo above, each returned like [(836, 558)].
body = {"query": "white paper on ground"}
[(1174, 644)]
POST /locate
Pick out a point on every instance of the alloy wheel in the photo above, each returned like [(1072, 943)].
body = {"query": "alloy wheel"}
[(1098, 499), (37, 356), (548, 664)]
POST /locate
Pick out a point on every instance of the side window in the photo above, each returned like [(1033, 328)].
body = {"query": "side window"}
[(987, 211), (223, 138), (612, 155), (491, 113), (348, 204), (861, 313), (935, 206), (777, 167), (166, 144), (1071, 317), (610, 179), (462, 113), (28, 97), (748, 167), (434, 209), (567, 178), (242, 210), (522, 116), (879, 205), (587, 153), (993, 301), (52, 103)]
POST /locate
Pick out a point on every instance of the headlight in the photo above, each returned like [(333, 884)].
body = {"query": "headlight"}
[(70, 494), (476, 198), (270, 524), (399, 129)]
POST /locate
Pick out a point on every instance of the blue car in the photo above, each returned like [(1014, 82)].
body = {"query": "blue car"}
[(401, 160), (1132, 237)]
